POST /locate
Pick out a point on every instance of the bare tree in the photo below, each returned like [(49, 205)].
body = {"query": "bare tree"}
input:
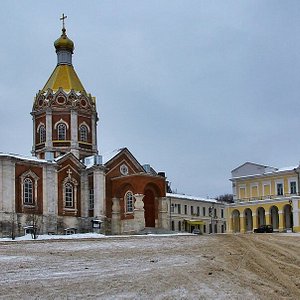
[(34, 220), (228, 198)]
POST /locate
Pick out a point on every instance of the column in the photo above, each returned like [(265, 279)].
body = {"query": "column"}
[(99, 193), (34, 134), (8, 186), (268, 218), (48, 129), (229, 220), (254, 220), (84, 195), (242, 223), (116, 217), (50, 198), (281, 220), (94, 133), (139, 213), (163, 213), (74, 133), (296, 212), (229, 224)]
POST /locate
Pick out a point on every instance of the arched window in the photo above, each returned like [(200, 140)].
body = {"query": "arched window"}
[(129, 202), (83, 133), (28, 191), (61, 132), (42, 134), (69, 195)]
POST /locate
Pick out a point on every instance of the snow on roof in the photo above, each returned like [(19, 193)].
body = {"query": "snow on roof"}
[(188, 197), (106, 157), (284, 169), (23, 157)]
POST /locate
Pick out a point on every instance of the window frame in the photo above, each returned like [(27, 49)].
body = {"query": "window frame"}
[(42, 134), (279, 188), (293, 187), (61, 132), (69, 195), (28, 196), (83, 133), (129, 202)]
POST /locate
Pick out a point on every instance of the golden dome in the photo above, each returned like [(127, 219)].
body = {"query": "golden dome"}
[(64, 43)]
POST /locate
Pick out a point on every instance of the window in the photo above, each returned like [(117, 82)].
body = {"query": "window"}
[(203, 211), (198, 211), (28, 191), (173, 226), (69, 195), (222, 213), (179, 226), (91, 199), (204, 228), (83, 133), (279, 189), (42, 132), (185, 209), (179, 208), (293, 188), (61, 132), (215, 213), (192, 210), (172, 207), (129, 202)]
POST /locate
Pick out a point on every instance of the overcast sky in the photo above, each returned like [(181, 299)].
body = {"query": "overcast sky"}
[(195, 88)]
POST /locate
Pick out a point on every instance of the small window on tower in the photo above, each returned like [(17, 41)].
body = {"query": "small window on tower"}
[(61, 132), (42, 134), (83, 130)]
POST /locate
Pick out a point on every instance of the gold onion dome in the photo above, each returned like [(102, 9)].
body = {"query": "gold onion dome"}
[(64, 43)]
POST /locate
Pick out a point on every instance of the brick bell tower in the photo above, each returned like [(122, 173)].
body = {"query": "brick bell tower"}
[(64, 114)]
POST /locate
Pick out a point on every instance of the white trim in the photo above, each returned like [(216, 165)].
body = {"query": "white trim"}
[(125, 202), (292, 179), (38, 128), (59, 122), (279, 181), (84, 124), (29, 174)]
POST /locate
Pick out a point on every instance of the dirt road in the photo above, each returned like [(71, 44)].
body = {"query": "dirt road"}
[(262, 266)]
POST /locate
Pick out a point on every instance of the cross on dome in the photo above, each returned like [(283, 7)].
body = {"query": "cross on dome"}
[(63, 20)]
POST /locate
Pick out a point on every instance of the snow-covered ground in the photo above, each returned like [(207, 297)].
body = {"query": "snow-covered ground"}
[(92, 266), (90, 235)]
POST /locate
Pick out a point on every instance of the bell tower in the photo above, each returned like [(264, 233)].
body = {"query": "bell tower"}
[(64, 114)]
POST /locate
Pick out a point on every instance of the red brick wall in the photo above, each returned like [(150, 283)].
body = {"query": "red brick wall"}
[(20, 169)]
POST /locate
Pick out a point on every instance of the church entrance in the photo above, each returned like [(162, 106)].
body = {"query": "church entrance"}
[(149, 206)]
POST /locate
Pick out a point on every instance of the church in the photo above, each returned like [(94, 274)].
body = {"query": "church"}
[(66, 186)]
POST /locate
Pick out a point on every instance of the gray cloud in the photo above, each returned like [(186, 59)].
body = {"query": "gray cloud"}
[(193, 87)]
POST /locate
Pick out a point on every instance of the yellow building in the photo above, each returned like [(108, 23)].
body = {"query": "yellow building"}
[(264, 195)]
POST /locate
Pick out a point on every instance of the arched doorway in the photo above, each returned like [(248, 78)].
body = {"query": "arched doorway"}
[(274, 217), (261, 216), (287, 217), (149, 206), (248, 220), (236, 221)]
